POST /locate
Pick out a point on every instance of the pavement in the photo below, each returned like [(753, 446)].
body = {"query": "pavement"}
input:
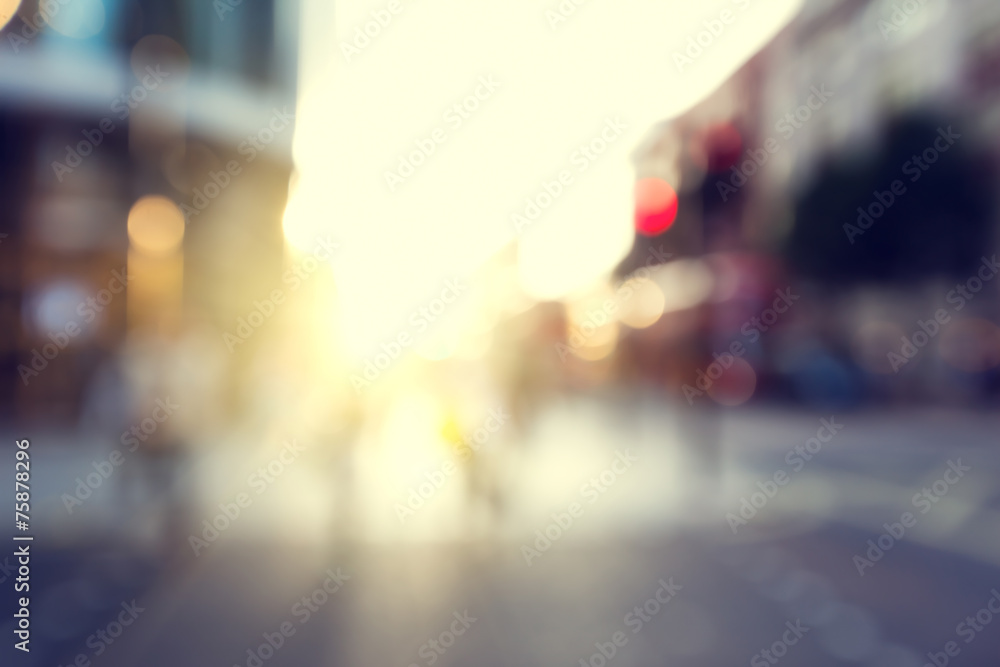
[(603, 538)]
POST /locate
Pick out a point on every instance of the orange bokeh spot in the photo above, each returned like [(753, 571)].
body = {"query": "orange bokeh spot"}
[(655, 206)]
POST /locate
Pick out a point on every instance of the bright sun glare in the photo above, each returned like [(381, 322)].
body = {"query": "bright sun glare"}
[(503, 112)]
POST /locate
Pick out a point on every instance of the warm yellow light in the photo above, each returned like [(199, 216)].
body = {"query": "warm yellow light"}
[(596, 353), (540, 154), (591, 323), (685, 283), (305, 220), (597, 346), (7, 10), (155, 226), (644, 306)]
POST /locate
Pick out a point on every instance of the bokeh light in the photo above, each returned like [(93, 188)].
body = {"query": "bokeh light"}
[(735, 385), (644, 307), (54, 305), (8, 8), (156, 225), (460, 279), (655, 206), (79, 19)]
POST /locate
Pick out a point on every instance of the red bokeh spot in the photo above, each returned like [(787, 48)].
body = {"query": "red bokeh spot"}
[(736, 384), (655, 206)]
